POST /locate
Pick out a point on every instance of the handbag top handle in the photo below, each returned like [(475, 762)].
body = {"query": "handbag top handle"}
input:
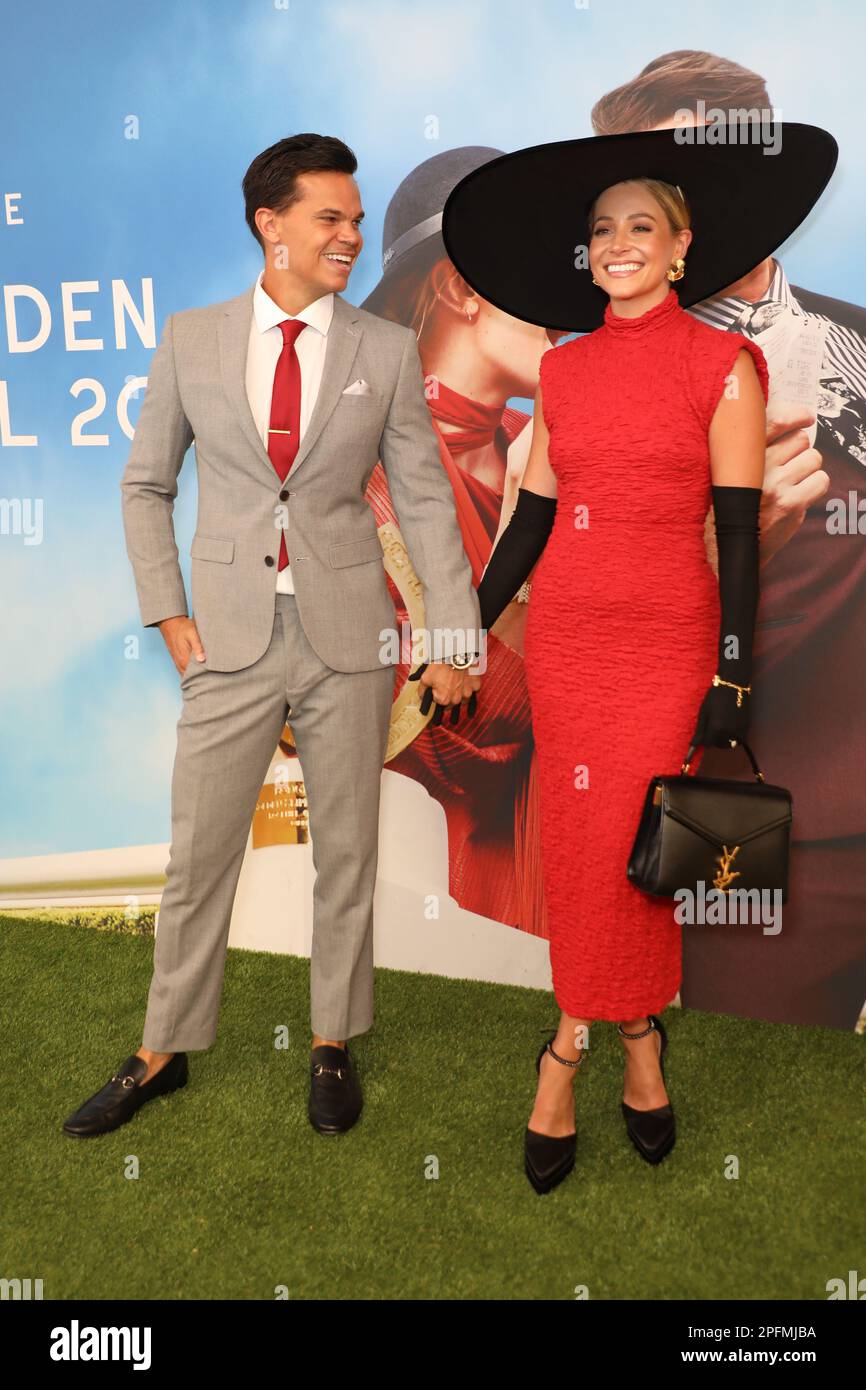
[(759, 776)]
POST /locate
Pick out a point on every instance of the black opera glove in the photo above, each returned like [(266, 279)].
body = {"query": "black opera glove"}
[(721, 718), (720, 722), (517, 550)]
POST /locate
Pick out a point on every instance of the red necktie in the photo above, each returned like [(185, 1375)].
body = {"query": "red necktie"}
[(285, 426)]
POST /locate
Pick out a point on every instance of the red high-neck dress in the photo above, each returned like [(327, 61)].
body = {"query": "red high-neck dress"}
[(621, 635)]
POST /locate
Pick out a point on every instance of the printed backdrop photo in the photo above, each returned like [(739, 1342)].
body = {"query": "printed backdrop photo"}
[(121, 204)]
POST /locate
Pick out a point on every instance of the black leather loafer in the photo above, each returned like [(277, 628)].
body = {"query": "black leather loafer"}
[(335, 1091), (653, 1132), (124, 1094)]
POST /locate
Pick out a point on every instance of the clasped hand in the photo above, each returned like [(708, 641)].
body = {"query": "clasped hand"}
[(448, 687)]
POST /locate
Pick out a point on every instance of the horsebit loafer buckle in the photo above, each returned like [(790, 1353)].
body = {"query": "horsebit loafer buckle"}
[(320, 1067), (126, 1081)]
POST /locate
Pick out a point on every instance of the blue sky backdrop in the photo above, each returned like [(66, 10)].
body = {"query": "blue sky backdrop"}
[(87, 736)]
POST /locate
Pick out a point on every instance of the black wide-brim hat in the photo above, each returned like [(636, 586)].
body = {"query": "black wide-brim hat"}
[(514, 226)]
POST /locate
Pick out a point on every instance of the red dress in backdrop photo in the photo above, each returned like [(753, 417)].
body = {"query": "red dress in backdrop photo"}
[(481, 771)]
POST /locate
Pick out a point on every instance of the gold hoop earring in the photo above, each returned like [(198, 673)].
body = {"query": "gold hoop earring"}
[(680, 269)]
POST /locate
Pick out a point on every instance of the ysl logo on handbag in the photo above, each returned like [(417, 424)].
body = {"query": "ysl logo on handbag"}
[(725, 860)]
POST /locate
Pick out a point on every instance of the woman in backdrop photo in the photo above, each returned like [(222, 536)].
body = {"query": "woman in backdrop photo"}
[(632, 649), (483, 770)]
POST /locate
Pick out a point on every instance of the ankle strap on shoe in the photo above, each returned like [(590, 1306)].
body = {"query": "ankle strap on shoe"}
[(643, 1034), (564, 1060)]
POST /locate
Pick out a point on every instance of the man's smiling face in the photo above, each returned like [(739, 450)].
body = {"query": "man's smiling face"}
[(317, 239)]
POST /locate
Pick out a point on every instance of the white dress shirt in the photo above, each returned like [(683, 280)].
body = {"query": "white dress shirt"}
[(265, 346)]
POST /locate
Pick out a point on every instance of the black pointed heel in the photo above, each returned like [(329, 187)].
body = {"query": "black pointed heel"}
[(653, 1132), (548, 1159)]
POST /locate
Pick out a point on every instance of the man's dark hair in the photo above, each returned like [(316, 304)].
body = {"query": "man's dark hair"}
[(270, 181)]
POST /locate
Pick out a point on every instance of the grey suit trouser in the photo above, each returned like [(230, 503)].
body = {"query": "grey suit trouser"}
[(226, 737)]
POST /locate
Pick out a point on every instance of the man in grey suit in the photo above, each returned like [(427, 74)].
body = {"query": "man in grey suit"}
[(291, 396)]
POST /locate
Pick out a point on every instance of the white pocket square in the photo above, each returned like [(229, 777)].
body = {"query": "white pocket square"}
[(358, 388)]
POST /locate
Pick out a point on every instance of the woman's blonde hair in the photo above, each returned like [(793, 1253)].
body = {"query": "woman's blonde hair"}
[(669, 196)]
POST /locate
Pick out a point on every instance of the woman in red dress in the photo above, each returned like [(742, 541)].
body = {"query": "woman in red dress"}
[(638, 425), (633, 428)]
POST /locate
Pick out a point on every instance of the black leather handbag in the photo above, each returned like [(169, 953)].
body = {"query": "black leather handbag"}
[(727, 833)]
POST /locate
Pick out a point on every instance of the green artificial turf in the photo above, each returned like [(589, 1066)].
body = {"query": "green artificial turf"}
[(236, 1195)]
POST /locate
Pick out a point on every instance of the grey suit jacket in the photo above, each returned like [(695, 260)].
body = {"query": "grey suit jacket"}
[(196, 393)]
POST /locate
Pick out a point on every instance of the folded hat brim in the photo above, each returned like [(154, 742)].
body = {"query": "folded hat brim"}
[(514, 227)]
